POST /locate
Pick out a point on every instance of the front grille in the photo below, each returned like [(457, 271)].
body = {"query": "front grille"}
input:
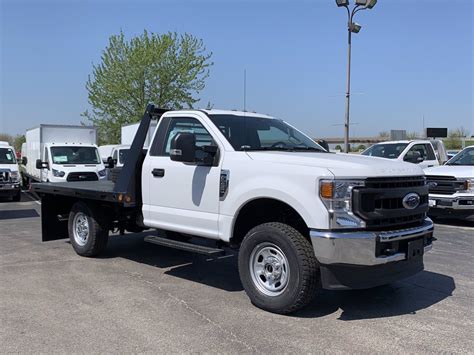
[(84, 176), (444, 185), (395, 182), (380, 202), (4, 176)]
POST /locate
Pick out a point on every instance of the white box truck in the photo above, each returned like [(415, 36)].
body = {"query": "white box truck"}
[(59, 153), (129, 131)]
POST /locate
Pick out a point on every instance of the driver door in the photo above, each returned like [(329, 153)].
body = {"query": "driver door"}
[(181, 197)]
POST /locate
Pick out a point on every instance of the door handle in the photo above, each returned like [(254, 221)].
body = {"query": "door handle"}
[(158, 172)]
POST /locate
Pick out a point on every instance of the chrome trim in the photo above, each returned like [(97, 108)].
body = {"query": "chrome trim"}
[(358, 248)]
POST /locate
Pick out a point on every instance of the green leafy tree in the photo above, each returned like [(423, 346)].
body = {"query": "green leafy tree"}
[(18, 141), (168, 70), (454, 138), (412, 135), (338, 147), (5, 137)]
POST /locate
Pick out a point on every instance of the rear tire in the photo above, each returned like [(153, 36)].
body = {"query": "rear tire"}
[(88, 233), (278, 268)]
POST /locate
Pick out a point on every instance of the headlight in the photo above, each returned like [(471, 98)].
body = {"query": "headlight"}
[(102, 172), (468, 185), (58, 173), (15, 176), (337, 197)]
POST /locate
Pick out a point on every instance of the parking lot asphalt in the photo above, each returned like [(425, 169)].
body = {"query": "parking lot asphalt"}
[(140, 297)]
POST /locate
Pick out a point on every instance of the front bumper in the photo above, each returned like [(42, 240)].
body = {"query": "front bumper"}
[(9, 189), (452, 202), (363, 247), (364, 259)]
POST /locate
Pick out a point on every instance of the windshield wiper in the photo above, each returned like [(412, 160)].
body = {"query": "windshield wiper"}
[(310, 149), (266, 148)]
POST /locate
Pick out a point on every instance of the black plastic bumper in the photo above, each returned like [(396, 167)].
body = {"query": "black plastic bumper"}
[(343, 276)]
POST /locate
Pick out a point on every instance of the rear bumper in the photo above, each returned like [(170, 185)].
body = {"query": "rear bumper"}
[(365, 259)]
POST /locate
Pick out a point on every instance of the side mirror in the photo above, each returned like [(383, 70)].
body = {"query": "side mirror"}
[(110, 163), (183, 147), (41, 165), (413, 157), (24, 160), (323, 144)]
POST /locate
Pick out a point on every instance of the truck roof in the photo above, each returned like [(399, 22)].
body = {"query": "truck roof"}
[(236, 113), (51, 125), (406, 141)]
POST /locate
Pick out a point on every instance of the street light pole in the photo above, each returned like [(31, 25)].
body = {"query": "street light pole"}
[(348, 91), (352, 27)]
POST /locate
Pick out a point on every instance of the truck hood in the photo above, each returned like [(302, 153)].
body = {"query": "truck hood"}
[(341, 165), (458, 171), (11, 167)]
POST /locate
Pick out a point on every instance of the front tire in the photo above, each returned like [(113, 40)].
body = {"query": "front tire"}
[(87, 232), (17, 196), (278, 268)]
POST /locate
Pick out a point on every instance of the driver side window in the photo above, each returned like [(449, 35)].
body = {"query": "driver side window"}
[(421, 149), (189, 125)]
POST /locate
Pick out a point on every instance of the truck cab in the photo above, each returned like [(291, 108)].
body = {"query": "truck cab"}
[(9, 173), (419, 152), (119, 153)]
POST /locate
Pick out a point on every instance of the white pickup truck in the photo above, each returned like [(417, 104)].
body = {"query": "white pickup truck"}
[(451, 186), (419, 152), (9, 173), (302, 218)]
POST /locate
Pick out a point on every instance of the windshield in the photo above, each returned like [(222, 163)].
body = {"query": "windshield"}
[(122, 154), (7, 156), (389, 150), (260, 133), (75, 155), (465, 157)]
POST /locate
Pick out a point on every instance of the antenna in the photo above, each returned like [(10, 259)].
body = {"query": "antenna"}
[(245, 90), (423, 133)]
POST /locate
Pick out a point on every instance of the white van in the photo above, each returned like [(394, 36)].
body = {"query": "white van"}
[(58, 153), (9, 173)]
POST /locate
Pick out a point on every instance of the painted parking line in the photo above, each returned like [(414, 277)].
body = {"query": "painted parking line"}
[(31, 198)]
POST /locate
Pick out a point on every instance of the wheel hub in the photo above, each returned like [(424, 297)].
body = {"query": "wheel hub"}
[(81, 228), (269, 269)]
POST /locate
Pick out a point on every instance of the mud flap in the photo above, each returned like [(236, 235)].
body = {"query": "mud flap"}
[(52, 226)]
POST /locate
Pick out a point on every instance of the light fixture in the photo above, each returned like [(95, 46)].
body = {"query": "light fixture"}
[(355, 27), (341, 3), (366, 3)]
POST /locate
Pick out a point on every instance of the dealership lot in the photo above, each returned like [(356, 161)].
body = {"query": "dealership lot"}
[(144, 298)]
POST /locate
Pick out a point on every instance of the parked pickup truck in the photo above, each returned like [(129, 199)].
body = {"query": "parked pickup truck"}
[(451, 186), (302, 218), (421, 152)]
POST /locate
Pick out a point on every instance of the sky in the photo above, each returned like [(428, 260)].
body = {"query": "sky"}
[(412, 59)]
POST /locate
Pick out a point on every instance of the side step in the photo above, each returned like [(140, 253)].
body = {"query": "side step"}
[(176, 244)]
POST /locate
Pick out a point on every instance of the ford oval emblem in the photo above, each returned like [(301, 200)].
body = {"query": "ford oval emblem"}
[(432, 184), (411, 201)]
